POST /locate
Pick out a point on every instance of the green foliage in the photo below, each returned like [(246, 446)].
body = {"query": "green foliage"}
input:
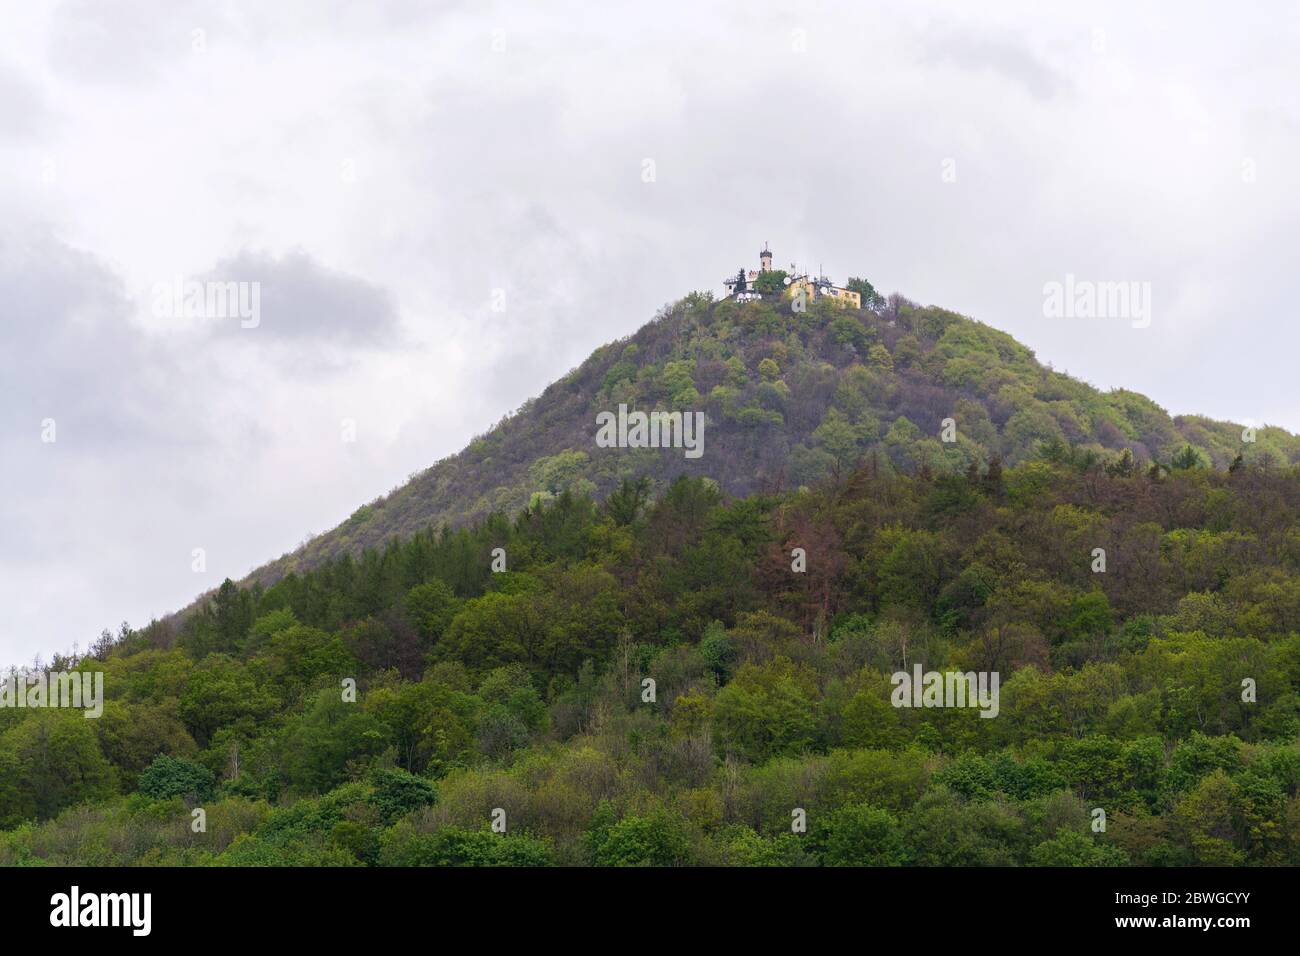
[(771, 282), (838, 438), (850, 333), (767, 710), (658, 838), (457, 846), (923, 364), (319, 746), (1071, 848), (871, 299), (650, 683), (1187, 457), (431, 607), (170, 777), (48, 762), (718, 651), (860, 835), (397, 793)]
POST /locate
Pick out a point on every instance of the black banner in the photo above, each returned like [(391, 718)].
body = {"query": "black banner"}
[(337, 905)]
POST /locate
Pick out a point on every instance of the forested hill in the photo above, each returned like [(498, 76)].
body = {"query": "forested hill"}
[(1133, 580), (790, 398), (390, 710)]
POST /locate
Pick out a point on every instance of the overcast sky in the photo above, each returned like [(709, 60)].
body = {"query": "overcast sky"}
[(382, 169)]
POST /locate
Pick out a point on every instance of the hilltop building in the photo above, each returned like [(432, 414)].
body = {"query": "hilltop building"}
[(749, 286), (743, 286), (816, 288)]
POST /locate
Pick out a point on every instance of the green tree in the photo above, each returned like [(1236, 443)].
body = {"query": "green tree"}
[(879, 357), (170, 777), (837, 437), (396, 793), (51, 761), (1072, 848), (860, 835), (767, 710), (318, 749), (431, 606), (871, 299), (771, 282), (658, 838), (1186, 459)]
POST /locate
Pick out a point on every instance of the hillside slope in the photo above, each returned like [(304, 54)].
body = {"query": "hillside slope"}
[(790, 397), (659, 679), (656, 683)]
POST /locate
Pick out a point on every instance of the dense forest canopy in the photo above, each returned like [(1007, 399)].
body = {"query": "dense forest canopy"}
[(791, 398), (519, 696)]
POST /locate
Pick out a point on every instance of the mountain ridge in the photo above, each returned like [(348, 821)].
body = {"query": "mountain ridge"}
[(654, 678), (790, 397)]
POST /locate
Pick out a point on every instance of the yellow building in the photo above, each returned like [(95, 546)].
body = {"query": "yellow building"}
[(818, 288), (743, 286)]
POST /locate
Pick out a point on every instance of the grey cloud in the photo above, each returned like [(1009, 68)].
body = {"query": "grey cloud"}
[(23, 110), (69, 351), (138, 41), (305, 302), (159, 436), (977, 50), (129, 41)]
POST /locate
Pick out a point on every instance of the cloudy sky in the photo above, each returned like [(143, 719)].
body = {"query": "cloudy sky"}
[(448, 205)]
